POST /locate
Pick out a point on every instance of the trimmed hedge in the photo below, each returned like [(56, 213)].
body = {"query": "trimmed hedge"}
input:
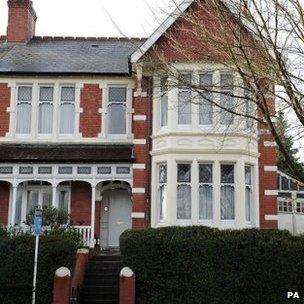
[(198, 265), (56, 249)]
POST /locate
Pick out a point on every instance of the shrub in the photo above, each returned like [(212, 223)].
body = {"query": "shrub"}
[(198, 265), (56, 249), (51, 217)]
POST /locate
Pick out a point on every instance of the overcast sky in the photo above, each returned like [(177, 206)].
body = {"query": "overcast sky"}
[(93, 17)]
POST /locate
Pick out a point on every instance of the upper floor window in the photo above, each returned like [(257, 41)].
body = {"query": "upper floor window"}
[(117, 110), (227, 100), (67, 110), (227, 192), (205, 105), (24, 110), (164, 102), (184, 191), (46, 101), (185, 100)]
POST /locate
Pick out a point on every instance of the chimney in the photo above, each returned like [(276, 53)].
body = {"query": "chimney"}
[(21, 20)]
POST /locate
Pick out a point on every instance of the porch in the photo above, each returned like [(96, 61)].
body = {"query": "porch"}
[(98, 197)]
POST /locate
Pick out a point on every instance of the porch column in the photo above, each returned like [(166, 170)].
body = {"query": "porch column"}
[(14, 198), (54, 196), (93, 198)]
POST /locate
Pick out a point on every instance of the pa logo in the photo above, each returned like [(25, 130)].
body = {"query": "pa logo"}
[(293, 295)]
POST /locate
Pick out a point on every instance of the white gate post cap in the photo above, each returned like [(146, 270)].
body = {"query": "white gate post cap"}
[(126, 272), (63, 272)]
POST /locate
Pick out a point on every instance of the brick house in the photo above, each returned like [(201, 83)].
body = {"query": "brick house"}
[(86, 127)]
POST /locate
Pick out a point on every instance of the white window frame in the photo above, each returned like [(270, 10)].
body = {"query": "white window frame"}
[(105, 117), (162, 205), (234, 192), (60, 102), (285, 205), (190, 184), (40, 188), (163, 96), (39, 102), (207, 126), (185, 89), (17, 102), (299, 206), (250, 187), (201, 184)]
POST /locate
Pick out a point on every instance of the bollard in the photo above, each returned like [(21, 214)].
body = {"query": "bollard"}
[(62, 285), (127, 286)]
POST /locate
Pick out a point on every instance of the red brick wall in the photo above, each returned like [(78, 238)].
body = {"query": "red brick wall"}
[(5, 99), (90, 102), (81, 193), (141, 177), (4, 202), (21, 21), (81, 203)]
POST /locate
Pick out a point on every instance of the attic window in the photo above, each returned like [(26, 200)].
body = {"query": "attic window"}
[(95, 45)]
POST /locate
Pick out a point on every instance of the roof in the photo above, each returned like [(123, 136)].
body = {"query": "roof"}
[(180, 9), (65, 153), (68, 56)]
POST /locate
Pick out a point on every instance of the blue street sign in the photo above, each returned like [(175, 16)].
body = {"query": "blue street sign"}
[(38, 222)]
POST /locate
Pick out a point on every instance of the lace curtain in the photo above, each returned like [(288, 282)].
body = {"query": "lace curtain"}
[(205, 202), (227, 203)]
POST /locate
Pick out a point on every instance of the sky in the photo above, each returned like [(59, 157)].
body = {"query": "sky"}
[(97, 18)]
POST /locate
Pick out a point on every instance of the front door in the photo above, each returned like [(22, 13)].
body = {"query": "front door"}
[(117, 212)]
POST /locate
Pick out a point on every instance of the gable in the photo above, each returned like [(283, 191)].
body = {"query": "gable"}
[(160, 38)]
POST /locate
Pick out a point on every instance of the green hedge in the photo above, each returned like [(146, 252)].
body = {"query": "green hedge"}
[(202, 265), (56, 249)]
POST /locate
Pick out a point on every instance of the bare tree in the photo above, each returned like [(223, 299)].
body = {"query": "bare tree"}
[(260, 41)]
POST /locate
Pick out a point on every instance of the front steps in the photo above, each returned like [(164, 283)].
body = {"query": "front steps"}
[(101, 282)]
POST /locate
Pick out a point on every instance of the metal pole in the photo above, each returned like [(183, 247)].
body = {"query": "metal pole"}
[(35, 270)]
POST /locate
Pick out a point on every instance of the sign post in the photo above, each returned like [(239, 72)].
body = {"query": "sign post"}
[(38, 231)]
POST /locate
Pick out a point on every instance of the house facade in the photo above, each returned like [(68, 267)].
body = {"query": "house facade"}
[(88, 126)]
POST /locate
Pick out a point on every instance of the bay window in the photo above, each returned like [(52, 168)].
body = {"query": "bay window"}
[(67, 110), (205, 191), (46, 100), (24, 110), (117, 110), (248, 192), (184, 191), (205, 105), (185, 100), (164, 102), (227, 192), (162, 190), (249, 108), (227, 100)]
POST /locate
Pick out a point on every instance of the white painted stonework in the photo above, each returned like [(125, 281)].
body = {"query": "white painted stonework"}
[(195, 144)]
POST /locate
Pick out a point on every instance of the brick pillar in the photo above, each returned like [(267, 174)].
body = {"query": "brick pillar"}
[(141, 169), (5, 100), (127, 286), (82, 258), (62, 286), (267, 168)]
